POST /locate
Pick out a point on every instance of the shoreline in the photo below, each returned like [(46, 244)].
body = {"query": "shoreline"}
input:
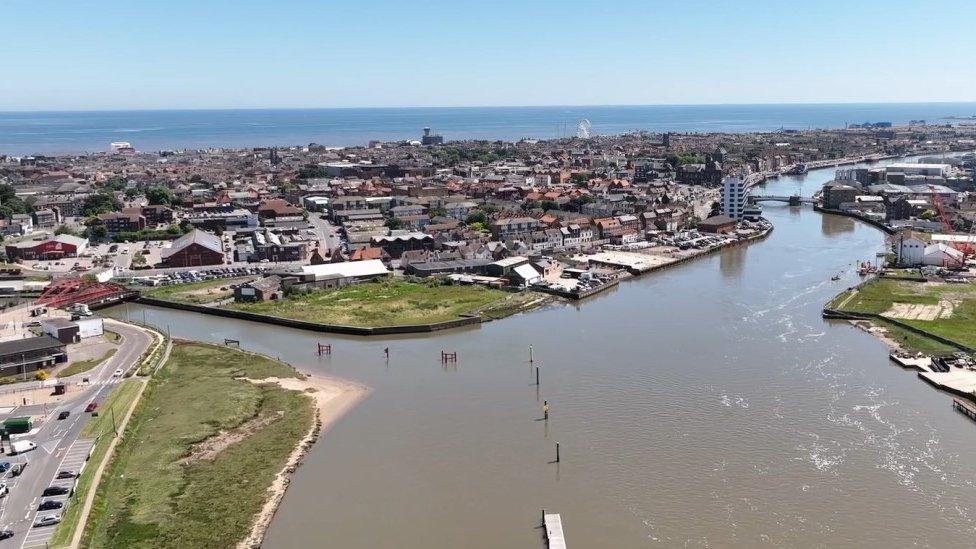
[(332, 397)]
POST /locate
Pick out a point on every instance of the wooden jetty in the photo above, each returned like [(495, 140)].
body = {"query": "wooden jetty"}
[(325, 349), (554, 530), (964, 408)]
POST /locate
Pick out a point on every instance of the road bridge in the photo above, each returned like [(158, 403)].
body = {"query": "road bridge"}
[(791, 200)]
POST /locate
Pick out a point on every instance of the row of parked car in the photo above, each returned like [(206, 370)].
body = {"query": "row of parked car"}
[(183, 277)]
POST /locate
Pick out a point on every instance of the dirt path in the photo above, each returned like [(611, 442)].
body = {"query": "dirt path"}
[(332, 398)]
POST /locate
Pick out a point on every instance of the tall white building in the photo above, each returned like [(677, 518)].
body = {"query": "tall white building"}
[(733, 197)]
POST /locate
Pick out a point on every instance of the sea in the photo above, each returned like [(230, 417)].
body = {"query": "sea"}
[(27, 133)]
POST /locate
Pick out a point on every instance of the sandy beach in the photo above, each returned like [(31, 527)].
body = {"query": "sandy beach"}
[(332, 397)]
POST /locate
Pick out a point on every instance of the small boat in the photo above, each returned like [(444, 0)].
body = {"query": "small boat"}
[(835, 278)]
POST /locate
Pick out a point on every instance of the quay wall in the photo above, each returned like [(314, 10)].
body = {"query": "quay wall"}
[(704, 253), (834, 314), (579, 295), (876, 224), (313, 326)]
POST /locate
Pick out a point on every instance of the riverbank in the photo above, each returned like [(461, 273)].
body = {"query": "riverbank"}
[(333, 398), (189, 458), (918, 318), (374, 303), (941, 312)]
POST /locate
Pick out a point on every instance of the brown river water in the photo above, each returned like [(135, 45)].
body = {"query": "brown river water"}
[(704, 406)]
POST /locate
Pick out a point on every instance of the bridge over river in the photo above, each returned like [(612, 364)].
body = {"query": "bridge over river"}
[(794, 200)]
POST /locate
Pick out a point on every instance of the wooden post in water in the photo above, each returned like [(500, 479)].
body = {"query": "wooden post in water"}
[(530, 354), (557, 452), (536, 375)]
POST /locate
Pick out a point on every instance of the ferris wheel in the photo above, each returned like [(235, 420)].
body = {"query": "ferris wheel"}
[(583, 129)]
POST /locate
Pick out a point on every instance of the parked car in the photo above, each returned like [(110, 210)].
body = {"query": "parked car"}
[(118, 373), (91, 406), (66, 474), (48, 520), (49, 504), (6, 534), (3, 489), (64, 414), (4, 467), (55, 491)]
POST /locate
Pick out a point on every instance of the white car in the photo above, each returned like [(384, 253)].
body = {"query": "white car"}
[(3, 489), (118, 373), (47, 520)]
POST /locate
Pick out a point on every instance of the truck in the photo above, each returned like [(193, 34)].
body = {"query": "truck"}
[(21, 446), (16, 425)]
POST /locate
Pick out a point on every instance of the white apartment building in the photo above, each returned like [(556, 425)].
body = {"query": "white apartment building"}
[(733, 197)]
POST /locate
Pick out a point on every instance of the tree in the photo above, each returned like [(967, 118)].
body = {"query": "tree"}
[(95, 229), (312, 172), (159, 196), (99, 203), (10, 203), (394, 223), (580, 177), (476, 216)]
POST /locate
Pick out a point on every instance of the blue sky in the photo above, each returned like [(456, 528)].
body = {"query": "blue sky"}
[(108, 54)]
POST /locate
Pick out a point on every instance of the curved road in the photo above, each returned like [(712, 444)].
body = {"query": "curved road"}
[(54, 439)]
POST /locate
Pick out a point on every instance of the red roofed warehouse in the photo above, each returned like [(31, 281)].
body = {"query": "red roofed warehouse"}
[(194, 249), (62, 245)]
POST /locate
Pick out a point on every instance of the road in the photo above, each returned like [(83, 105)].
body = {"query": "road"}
[(58, 446), (327, 233)]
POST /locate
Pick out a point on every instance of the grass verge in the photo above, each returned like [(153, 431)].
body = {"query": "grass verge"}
[(85, 365), (386, 303), (197, 293), (157, 493), (101, 427)]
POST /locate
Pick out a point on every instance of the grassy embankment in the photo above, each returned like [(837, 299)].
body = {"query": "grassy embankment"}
[(882, 295), (196, 293), (85, 365), (390, 303), (101, 427), (159, 491)]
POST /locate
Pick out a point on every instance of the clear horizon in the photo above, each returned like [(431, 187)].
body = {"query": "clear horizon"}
[(301, 54), (379, 107)]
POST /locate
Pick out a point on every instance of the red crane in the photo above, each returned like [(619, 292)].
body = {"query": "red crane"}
[(967, 248)]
